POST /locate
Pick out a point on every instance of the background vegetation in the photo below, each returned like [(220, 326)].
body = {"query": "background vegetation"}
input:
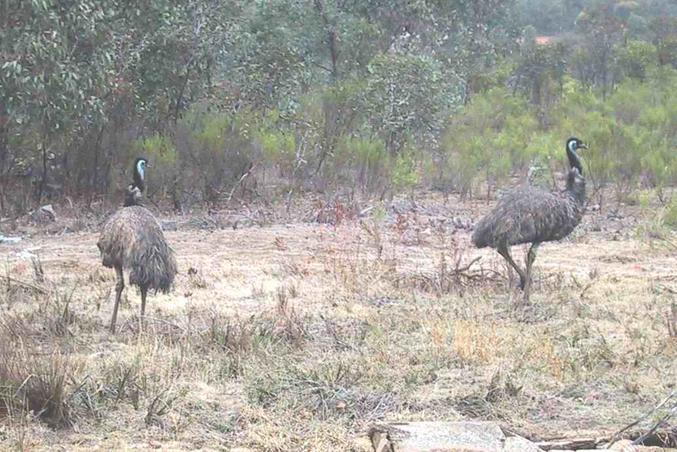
[(330, 95)]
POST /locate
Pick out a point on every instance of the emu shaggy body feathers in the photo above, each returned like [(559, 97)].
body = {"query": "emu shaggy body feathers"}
[(528, 215), (132, 239)]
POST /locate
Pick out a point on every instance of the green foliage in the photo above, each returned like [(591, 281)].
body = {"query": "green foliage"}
[(489, 139), (630, 131), (407, 95), (158, 149), (539, 71), (325, 93), (635, 58), (670, 214), (405, 175), (278, 147), (367, 157), (631, 134)]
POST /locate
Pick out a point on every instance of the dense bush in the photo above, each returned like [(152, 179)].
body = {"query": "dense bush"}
[(631, 134), (330, 96)]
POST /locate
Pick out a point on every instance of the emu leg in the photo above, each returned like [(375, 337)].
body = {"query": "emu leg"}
[(505, 252), (531, 257), (119, 286), (144, 292)]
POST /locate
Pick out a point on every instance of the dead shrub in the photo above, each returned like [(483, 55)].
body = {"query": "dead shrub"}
[(196, 278), (235, 338), (285, 323), (328, 389)]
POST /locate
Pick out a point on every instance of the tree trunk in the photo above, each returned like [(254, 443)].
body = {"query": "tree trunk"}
[(43, 179), (4, 151), (331, 38)]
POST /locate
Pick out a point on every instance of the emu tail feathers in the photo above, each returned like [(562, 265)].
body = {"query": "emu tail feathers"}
[(153, 267)]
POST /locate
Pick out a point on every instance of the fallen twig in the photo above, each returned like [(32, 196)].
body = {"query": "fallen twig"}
[(467, 267), (239, 182), (617, 435), (653, 429), (570, 443), (25, 285)]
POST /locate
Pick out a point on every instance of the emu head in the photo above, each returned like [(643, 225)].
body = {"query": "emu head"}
[(572, 147)]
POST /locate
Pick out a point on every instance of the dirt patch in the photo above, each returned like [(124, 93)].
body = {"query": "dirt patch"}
[(290, 336)]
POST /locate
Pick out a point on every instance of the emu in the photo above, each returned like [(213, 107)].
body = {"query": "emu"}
[(132, 239), (527, 214)]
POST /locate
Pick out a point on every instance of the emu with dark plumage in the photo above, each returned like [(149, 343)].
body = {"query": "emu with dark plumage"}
[(529, 214), (132, 239)]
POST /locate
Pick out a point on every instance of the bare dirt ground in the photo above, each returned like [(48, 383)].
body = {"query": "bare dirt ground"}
[(298, 336)]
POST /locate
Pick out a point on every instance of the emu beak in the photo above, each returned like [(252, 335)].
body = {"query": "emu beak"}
[(148, 165), (583, 146)]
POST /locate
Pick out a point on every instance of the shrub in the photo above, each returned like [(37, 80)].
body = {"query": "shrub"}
[(670, 214)]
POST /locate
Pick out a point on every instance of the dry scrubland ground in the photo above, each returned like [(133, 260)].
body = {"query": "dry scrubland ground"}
[(298, 336)]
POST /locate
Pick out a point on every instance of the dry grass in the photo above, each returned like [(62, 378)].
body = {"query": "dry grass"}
[(297, 337)]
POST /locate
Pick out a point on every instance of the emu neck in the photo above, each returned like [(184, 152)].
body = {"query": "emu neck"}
[(132, 197), (574, 160), (576, 187), (138, 180)]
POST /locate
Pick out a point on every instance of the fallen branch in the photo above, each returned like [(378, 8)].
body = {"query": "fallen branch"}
[(25, 285), (239, 182), (617, 435), (458, 270), (648, 434), (655, 436), (570, 443)]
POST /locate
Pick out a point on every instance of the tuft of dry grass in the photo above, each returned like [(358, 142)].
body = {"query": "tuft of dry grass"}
[(36, 381)]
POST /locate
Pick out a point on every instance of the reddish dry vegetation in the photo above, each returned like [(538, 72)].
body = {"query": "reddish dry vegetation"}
[(299, 336)]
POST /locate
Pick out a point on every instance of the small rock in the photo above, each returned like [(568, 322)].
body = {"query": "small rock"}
[(4, 239), (26, 255), (362, 444), (519, 444), (624, 445)]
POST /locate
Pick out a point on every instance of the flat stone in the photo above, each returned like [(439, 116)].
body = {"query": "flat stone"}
[(624, 445), (519, 444), (437, 437)]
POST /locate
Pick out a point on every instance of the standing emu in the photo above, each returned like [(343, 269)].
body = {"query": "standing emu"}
[(529, 214), (132, 239)]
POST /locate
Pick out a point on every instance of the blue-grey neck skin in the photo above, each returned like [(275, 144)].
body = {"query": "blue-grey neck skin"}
[(574, 159), (140, 173), (141, 169)]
